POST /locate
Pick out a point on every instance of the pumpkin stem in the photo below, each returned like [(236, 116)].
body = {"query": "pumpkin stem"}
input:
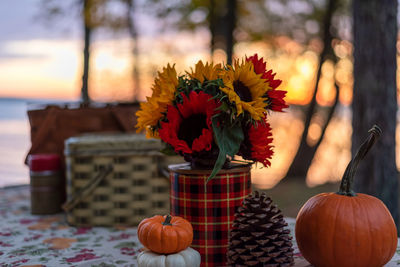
[(167, 220), (348, 176)]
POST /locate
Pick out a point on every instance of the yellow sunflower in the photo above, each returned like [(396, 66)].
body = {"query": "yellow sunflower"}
[(150, 112), (246, 89), (148, 115), (165, 84), (203, 72)]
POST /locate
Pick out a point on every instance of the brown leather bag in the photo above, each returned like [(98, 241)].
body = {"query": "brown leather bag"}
[(53, 124)]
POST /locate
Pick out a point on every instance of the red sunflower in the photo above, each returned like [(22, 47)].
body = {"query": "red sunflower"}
[(276, 97), (257, 145), (189, 126)]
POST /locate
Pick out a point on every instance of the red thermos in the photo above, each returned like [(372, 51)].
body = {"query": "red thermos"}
[(47, 183)]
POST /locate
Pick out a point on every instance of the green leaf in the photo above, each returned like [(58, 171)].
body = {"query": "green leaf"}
[(224, 107), (228, 138), (218, 164)]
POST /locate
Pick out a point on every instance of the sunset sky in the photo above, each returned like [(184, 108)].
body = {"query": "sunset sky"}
[(42, 59), (34, 59)]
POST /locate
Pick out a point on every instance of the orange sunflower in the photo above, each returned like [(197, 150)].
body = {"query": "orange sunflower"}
[(188, 127), (257, 145), (275, 97)]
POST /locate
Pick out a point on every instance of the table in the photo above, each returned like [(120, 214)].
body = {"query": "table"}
[(29, 240)]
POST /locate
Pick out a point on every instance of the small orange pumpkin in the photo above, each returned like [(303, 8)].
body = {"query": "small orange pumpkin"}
[(165, 234), (344, 228)]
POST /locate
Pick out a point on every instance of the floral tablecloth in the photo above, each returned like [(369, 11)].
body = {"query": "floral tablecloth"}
[(29, 240)]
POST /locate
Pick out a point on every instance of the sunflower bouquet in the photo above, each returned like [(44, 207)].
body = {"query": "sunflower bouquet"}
[(213, 112)]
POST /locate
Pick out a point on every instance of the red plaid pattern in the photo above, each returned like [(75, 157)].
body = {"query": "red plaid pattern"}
[(209, 207)]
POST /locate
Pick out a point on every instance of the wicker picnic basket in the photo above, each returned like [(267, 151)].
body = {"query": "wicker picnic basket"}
[(115, 179)]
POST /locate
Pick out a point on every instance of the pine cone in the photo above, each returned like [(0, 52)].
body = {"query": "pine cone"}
[(258, 237)]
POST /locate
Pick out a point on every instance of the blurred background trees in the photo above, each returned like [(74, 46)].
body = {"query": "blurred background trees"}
[(289, 29), (112, 15), (308, 42)]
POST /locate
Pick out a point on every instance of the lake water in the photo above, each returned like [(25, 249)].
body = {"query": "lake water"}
[(14, 141), (329, 164)]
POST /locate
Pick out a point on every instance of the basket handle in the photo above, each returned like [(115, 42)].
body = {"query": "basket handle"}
[(87, 189)]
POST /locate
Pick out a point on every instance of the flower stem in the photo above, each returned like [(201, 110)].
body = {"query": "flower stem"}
[(348, 176), (167, 220)]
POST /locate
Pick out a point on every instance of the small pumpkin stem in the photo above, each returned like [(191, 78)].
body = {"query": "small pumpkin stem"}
[(348, 176), (167, 220)]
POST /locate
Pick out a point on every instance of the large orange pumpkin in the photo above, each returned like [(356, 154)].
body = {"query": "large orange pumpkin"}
[(165, 234), (344, 228)]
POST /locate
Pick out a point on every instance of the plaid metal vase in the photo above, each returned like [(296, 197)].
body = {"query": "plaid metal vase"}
[(210, 207)]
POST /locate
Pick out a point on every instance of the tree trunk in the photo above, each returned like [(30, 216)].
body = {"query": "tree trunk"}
[(231, 24), (212, 27), (305, 153), (135, 48), (374, 101), (86, 55)]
